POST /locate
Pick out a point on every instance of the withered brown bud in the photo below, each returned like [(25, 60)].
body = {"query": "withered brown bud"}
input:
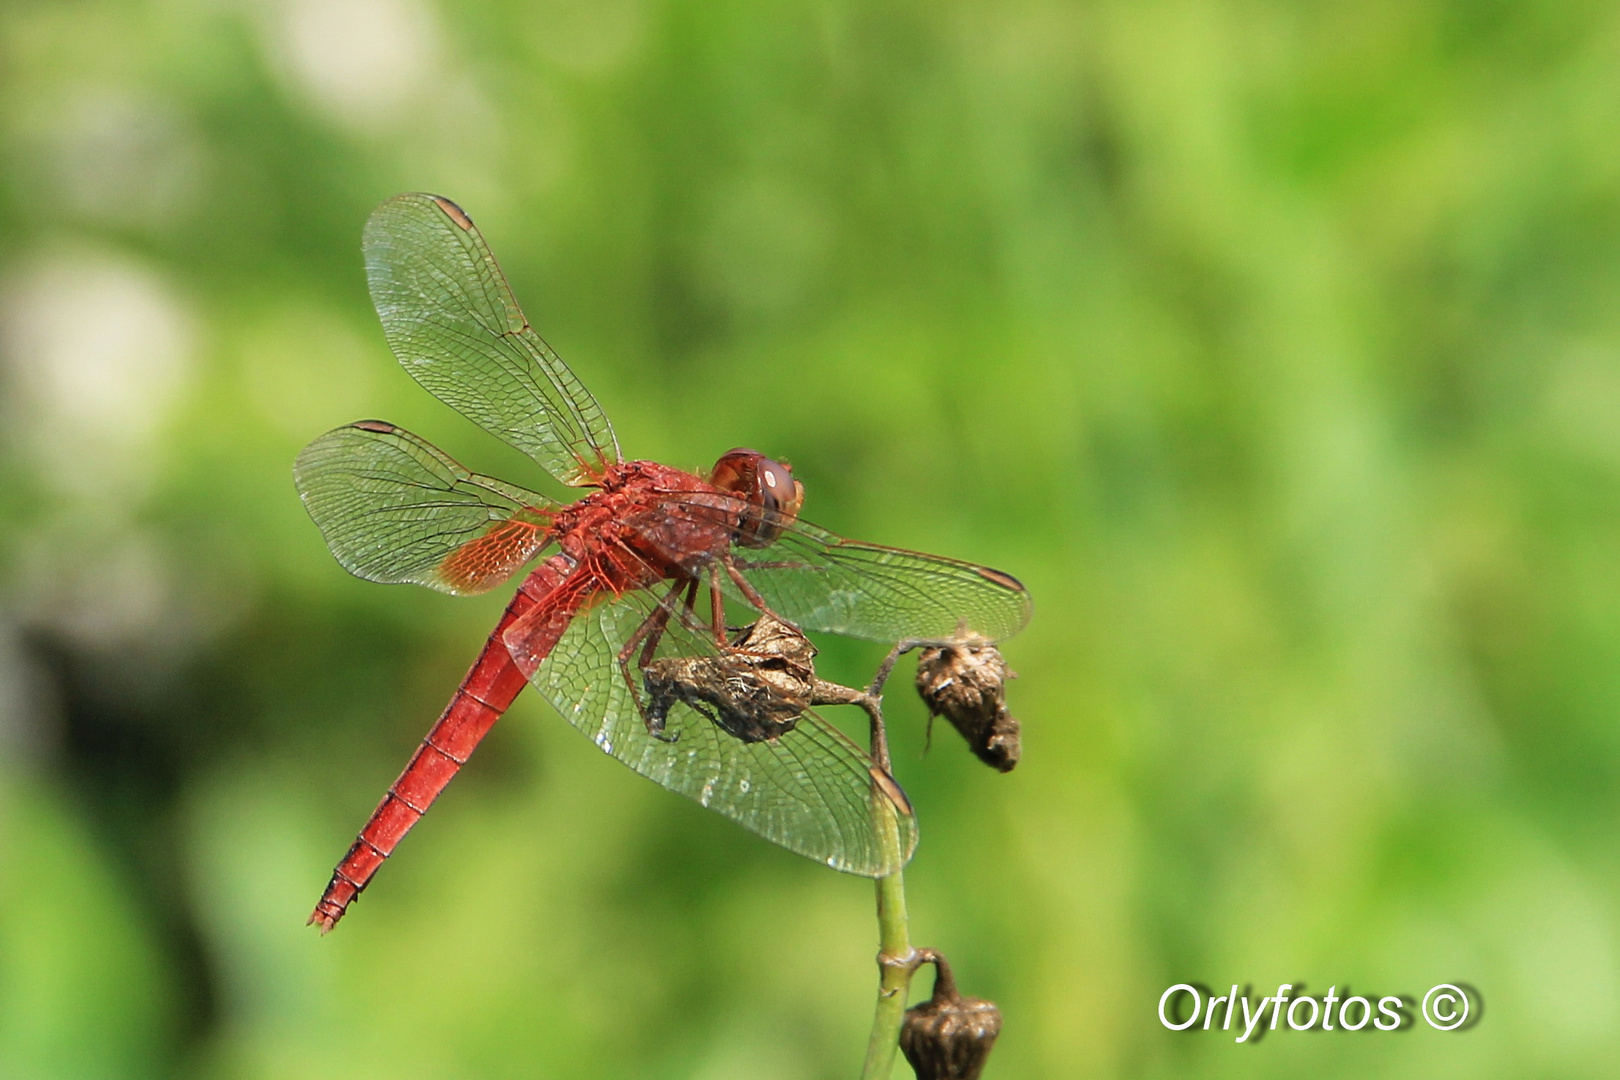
[(755, 690), (948, 1037), (965, 682)]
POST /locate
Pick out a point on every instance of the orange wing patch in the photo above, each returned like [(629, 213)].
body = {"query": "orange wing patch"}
[(482, 564)]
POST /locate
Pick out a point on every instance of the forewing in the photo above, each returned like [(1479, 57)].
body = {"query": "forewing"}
[(452, 321), (395, 509), (821, 581), (813, 790)]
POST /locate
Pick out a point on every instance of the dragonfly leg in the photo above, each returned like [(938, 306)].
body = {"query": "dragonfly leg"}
[(646, 637), (651, 646), (749, 592), (717, 610)]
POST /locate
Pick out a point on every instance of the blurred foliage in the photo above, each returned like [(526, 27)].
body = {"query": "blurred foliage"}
[(1274, 345)]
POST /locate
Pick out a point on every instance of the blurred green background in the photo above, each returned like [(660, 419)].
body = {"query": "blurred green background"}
[(1274, 345)]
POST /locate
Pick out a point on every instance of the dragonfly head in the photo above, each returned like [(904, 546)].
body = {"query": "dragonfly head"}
[(766, 484)]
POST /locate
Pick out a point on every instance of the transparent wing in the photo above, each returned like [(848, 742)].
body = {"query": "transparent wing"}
[(813, 790), (393, 508), (453, 323), (820, 581)]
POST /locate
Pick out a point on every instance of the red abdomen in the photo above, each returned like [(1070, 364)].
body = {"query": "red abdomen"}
[(486, 692)]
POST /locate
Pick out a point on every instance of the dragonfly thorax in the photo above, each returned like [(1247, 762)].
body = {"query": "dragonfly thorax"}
[(648, 522)]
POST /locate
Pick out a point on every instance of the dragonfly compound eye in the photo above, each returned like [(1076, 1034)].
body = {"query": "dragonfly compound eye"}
[(778, 490), (768, 485), (735, 470)]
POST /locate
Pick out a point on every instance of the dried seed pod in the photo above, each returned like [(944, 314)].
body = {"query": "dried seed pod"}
[(948, 1037), (755, 690), (966, 683)]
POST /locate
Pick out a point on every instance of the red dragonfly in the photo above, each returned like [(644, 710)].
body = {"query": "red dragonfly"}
[(621, 590)]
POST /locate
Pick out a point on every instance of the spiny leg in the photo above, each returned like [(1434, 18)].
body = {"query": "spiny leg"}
[(651, 628), (750, 593), (717, 609), (657, 634), (647, 636)]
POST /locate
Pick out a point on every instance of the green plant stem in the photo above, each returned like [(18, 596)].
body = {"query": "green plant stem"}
[(897, 960)]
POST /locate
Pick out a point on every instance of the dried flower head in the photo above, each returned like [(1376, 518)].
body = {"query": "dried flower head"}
[(948, 1037), (966, 683), (755, 690)]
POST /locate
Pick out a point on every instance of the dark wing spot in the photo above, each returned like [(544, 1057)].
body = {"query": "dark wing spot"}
[(1006, 581), (380, 426), (886, 784), (457, 214)]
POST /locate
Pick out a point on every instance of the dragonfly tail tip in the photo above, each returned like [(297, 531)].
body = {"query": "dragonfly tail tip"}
[(323, 918)]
